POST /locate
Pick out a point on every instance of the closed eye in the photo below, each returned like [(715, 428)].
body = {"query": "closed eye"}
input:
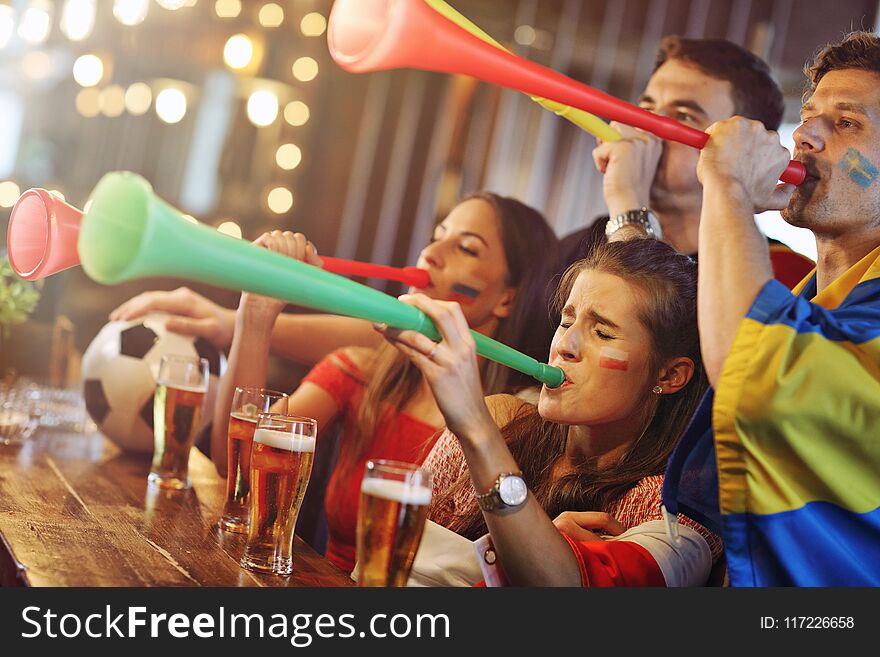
[(602, 335)]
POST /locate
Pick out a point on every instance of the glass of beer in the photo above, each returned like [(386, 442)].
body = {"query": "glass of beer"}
[(395, 498), (177, 409), (281, 463), (247, 405)]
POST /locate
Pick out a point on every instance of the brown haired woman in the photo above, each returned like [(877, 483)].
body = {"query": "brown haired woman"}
[(494, 255), (598, 444)]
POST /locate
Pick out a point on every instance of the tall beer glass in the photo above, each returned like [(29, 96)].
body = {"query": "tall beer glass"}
[(395, 498), (177, 408), (247, 404), (281, 463)]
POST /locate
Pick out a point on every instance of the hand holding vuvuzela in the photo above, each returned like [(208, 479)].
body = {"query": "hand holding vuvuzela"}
[(449, 366), (744, 156), (129, 232)]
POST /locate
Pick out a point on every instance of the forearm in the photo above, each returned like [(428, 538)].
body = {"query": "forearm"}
[(530, 548), (247, 366), (734, 265), (307, 339)]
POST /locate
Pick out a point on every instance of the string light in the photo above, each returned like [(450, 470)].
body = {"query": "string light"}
[(227, 8), (88, 102), (138, 98), (113, 101), (296, 113), (305, 69), (313, 24), (131, 12), (37, 65), (88, 70), (173, 5), (78, 19), (230, 228), (238, 51), (288, 156), (280, 200), (525, 35), (262, 107), (271, 15), (171, 105), (36, 22), (9, 193), (7, 24)]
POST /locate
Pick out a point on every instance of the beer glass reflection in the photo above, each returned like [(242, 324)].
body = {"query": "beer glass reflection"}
[(395, 499), (247, 405), (177, 409), (281, 463)]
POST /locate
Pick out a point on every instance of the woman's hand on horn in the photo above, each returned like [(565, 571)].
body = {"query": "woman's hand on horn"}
[(294, 245), (449, 366)]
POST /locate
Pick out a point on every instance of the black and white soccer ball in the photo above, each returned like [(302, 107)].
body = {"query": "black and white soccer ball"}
[(119, 371)]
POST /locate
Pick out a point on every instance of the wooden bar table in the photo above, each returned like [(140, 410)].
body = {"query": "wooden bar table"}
[(77, 511)]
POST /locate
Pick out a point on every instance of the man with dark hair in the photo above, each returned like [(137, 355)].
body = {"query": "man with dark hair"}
[(755, 94), (796, 412), (650, 186)]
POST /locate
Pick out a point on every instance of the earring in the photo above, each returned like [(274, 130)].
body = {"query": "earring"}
[(657, 390)]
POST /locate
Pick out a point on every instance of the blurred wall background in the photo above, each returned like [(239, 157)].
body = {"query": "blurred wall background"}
[(235, 112)]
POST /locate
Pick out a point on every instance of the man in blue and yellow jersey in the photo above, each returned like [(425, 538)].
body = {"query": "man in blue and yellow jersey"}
[(796, 414)]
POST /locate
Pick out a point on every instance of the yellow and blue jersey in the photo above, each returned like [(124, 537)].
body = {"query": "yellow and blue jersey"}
[(796, 453)]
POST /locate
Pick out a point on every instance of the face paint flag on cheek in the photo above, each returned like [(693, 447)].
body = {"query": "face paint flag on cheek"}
[(465, 293), (613, 359), (860, 170)]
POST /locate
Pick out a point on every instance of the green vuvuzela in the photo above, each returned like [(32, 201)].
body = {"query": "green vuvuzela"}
[(131, 233)]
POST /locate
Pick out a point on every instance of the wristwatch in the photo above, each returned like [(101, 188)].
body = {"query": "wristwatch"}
[(508, 492), (642, 217)]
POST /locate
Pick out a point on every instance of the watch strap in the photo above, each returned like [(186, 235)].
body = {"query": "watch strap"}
[(642, 217)]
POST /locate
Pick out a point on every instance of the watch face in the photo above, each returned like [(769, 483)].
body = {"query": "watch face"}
[(513, 490)]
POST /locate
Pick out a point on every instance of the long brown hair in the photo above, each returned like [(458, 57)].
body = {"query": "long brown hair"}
[(669, 314), (530, 249)]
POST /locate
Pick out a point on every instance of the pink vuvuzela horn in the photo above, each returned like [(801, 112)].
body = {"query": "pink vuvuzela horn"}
[(43, 232)]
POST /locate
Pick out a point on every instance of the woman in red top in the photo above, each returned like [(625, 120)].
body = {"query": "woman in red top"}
[(492, 254), (597, 445)]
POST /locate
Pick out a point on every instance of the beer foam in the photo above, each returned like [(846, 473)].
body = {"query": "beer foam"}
[(180, 386), (291, 442), (397, 491)]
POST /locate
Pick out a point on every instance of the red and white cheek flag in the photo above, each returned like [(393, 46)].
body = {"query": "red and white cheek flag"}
[(613, 359)]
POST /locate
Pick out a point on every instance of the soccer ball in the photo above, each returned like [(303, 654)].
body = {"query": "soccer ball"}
[(119, 371)]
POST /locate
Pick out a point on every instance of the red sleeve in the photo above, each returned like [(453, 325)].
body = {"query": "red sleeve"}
[(339, 377), (615, 563)]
